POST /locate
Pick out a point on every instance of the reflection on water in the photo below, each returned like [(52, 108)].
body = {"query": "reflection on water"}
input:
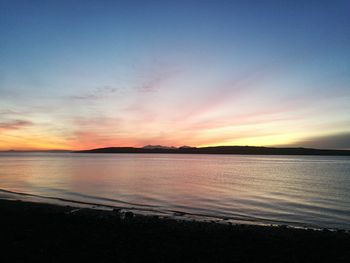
[(295, 190)]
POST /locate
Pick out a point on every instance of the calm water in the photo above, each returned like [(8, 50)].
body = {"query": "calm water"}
[(296, 190)]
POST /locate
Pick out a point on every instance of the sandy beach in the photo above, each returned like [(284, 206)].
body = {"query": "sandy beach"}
[(36, 231)]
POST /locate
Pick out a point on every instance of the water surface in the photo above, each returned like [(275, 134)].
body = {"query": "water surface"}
[(308, 191)]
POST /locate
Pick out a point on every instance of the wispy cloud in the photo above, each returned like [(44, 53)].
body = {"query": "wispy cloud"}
[(14, 125), (97, 93), (153, 84), (155, 78), (8, 112)]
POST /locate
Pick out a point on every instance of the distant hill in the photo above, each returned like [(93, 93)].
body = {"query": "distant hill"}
[(220, 150), (158, 147)]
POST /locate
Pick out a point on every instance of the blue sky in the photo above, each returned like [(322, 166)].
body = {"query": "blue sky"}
[(82, 74)]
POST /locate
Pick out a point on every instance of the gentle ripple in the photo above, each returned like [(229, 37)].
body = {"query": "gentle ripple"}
[(309, 191)]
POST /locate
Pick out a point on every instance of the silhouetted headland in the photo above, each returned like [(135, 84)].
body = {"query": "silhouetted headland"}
[(220, 150)]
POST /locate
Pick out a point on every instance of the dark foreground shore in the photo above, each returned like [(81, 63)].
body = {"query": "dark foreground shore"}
[(31, 231)]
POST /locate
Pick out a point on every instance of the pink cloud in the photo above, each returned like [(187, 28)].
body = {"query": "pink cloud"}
[(14, 125)]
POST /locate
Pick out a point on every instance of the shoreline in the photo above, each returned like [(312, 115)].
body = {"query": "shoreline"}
[(56, 233), (163, 214)]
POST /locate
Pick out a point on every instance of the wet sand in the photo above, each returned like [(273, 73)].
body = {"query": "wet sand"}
[(33, 231)]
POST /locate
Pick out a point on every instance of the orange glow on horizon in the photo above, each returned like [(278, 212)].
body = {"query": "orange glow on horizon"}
[(89, 141)]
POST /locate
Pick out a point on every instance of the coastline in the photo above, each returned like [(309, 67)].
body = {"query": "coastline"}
[(56, 233), (149, 211), (221, 150)]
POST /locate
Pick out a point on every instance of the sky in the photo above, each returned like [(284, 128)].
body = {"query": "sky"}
[(88, 74)]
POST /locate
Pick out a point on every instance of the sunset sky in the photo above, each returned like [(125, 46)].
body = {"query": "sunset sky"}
[(88, 74)]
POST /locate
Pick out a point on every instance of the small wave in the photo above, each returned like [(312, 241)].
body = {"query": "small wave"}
[(109, 199), (77, 201), (237, 218)]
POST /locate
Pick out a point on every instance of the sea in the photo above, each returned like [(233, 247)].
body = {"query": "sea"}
[(295, 191)]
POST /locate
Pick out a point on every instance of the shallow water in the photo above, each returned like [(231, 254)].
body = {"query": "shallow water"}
[(307, 191)]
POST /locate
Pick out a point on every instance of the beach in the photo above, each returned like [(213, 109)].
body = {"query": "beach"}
[(37, 231)]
